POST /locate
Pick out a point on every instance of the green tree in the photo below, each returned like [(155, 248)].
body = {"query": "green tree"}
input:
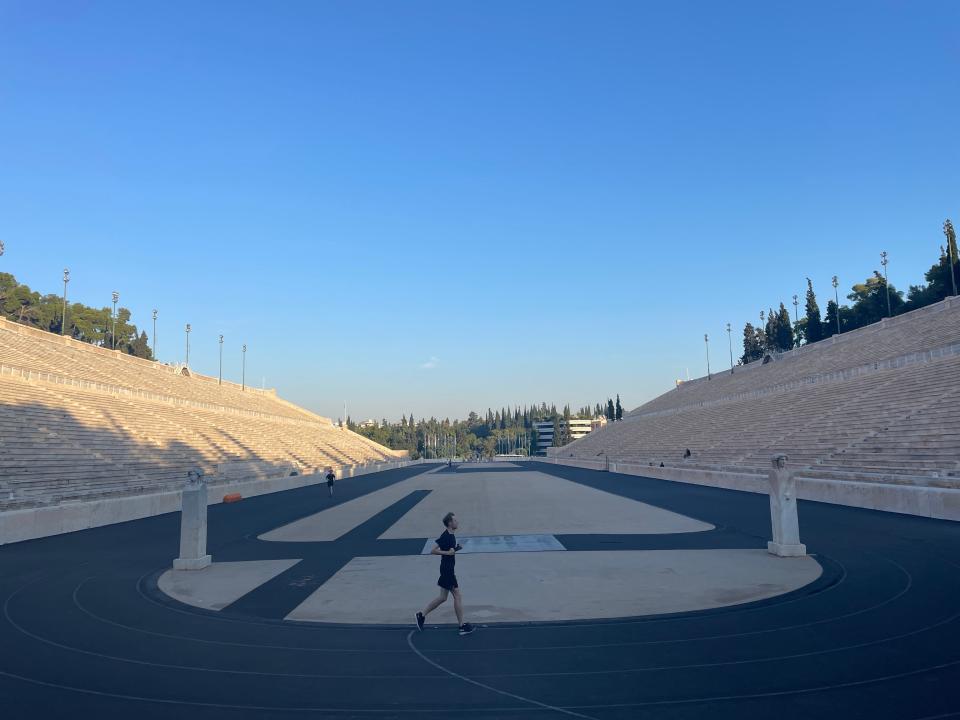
[(813, 330), (770, 331), (939, 284), (829, 325), (611, 412), (870, 302), (784, 330), (140, 347), (753, 344), (619, 408)]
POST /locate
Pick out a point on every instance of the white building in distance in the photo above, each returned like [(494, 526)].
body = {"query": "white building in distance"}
[(578, 428)]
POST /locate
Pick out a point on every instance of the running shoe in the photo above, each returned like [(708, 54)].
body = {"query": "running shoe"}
[(466, 629), (420, 620)]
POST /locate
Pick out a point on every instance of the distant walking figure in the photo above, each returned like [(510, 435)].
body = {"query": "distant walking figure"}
[(446, 546), (330, 479)]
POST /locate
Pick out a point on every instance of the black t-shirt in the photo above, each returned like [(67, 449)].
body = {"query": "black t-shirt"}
[(330, 477), (447, 541)]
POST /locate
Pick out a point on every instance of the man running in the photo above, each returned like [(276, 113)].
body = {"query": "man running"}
[(330, 480), (446, 546)]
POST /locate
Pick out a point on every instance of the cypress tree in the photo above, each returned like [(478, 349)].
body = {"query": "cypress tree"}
[(770, 332), (814, 330), (619, 408), (611, 413), (829, 325), (753, 344), (784, 330)]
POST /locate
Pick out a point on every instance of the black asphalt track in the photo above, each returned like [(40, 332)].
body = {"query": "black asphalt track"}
[(85, 633)]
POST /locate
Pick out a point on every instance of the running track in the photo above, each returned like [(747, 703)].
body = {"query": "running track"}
[(85, 633)]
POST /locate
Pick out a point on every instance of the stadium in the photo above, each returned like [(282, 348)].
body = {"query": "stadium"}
[(427, 211)]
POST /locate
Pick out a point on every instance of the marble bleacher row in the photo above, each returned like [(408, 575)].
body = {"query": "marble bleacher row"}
[(895, 421), (932, 327), (61, 439)]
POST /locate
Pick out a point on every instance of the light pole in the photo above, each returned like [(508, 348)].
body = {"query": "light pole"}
[(836, 300), (116, 297), (66, 279), (763, 329), (187, 329), (243, 381), (220, 377), (951, 241), (154, 333), (796, 319), (706, 342), (730, 343), (886, 285)]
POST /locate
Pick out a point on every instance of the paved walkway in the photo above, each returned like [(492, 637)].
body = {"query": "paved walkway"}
[(86, 632)]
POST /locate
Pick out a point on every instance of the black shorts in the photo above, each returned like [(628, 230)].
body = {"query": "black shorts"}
[(448, 582), (329, 483)]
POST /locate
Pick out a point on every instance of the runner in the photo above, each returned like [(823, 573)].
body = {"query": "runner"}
[(446, 546), (330, 479)]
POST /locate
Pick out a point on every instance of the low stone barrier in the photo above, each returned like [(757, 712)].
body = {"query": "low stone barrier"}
[(933, 502)]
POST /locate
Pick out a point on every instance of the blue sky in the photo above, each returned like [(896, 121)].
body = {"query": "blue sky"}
[(377, 197)]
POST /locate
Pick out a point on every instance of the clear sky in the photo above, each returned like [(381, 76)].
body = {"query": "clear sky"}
[(380, 198)]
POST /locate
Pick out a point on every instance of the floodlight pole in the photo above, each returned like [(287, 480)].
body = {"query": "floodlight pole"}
[(706, 342), (66, 279), (187, 329), (951, 241), (730, 343), (220, 377), (243, 381), (116, 297), (886, 284), (836, 299)]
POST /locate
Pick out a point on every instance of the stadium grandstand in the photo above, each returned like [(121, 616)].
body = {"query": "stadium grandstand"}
[(877, 405), (79, 422)]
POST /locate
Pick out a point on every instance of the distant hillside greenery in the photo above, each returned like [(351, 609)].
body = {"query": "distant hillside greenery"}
[(93, 325), (777, 333), (508, 430)]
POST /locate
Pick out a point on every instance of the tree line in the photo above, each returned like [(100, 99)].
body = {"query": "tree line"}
[(872, 300), (87, 324), (505, 430)]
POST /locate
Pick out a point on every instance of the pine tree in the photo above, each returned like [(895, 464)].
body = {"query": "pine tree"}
[(611, 413), (619, 409), (814, 328)]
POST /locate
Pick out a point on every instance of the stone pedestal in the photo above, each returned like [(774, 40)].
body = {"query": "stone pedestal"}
[(193, 528), (783, 511)]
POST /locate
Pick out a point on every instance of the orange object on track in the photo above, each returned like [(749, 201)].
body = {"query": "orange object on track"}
[(232, 497)]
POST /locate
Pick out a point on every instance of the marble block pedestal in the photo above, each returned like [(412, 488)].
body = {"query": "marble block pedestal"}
[(193, 527)]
